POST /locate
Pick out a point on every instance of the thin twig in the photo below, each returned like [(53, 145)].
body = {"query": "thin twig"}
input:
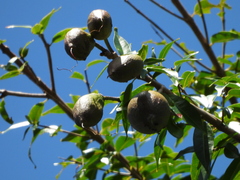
[(167, 10), (108, 45), (223, 29), (47, 47), (5, 93), (87, 82), (203, 20)]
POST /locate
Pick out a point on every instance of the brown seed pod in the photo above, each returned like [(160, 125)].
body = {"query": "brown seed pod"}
[(148, 112), (125, 67), (88, 110), (99, 24), (78, 44)]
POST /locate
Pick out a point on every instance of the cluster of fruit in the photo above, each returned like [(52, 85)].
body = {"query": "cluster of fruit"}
[(148, 112)]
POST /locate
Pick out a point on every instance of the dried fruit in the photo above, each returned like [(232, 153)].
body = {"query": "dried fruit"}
[(78, 44), (88, 110), (125, 67), (148, 112), (99, 24)]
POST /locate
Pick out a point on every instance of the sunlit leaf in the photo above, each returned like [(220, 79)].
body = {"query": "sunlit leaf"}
[(152, 60), (122, 46), (143, 51), (2, 41), (59, 36), (24, 51), (56, 109), (19, 26), (35, 113), (233, 93), (13, 73), (225, 36), (15, 126), (37, 28), (187, 78), (205, 7), (95, 62), (77, 75), (165, 50), (123, 142), (4, 113)]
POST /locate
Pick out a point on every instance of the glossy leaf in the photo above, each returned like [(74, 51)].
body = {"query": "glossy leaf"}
[(12, 73), (143, 51), (4, 113), (122, 46), (35, 113), (225, 36), (175, 129), (123, 142), (19, 26), (15, 126), (233, 93), (188, 78), (158, 145), (165, 50), (185, 151), (152, 60), (59, 36), (187, 58)]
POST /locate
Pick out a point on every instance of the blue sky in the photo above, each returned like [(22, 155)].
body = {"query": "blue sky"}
[(47, 150)]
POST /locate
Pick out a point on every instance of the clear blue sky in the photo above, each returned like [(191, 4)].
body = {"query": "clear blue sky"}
[(47, 150)]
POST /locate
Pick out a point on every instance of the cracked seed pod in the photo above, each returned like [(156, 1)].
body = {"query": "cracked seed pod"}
[(148, 112), (78, 44), (124, 68), (88, 110), (99, 24)]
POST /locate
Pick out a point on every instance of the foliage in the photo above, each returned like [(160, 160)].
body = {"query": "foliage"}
[(209, 112)]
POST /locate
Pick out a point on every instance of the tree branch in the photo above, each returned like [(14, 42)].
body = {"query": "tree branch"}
[(52, 95), (5, 93)]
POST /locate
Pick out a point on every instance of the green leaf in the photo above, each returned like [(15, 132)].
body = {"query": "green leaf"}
[(59, 36), (231, 151), (185, 151), (123, 142), (78, 75), (187, 58), (99, 75), (2, 41), (144, 87), (232, 171), (122, 46), (165, 50), (158, 145), (206, 7), (195, 167), (4, 113), (13, 73), (188, 78), (125, 98), (37, 28), (143, 51), (225, 36), (56, 109), (152, 60), (175, 129), (35, 113), (203, 146), (95, 62), (188, 111), (24, 51), (233, 93)]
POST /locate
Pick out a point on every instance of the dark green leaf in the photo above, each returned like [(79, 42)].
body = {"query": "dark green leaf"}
[(125, 98), (152, 60), (165, 50), (123, 142), (203, 146), (232, 171), (24, 51), (158, 145), (188, 111), (77, 75), (224, 36), (35, 113), (59, 36), (143, 51), (185, 151), (121, 44), (4, 113), (231, 151), (175, 129), (144, 87)]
